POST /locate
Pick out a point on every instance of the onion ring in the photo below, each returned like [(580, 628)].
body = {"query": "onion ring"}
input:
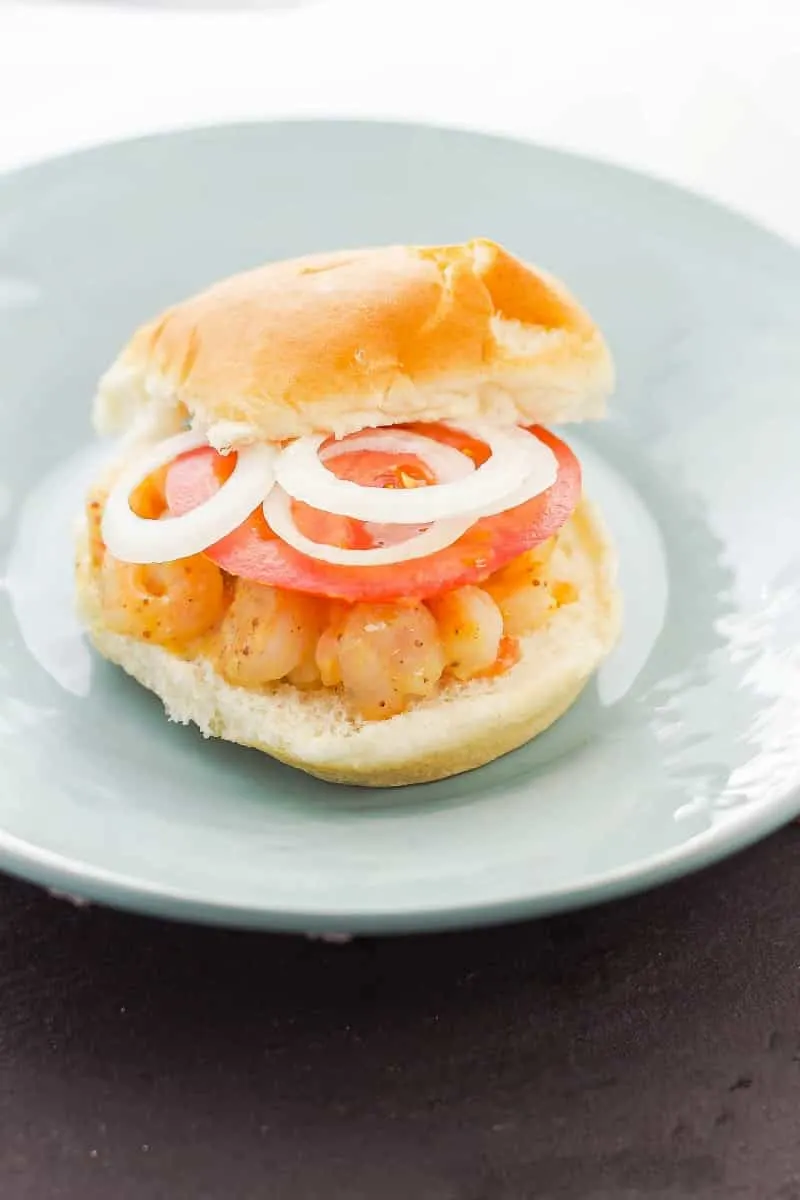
[(518, 459), (135, 539), (278, 513)]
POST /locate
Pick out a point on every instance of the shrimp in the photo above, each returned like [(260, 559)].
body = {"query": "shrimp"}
[(167, 603), (533, 564), (525, 609), (521, 591), (268, 634), (306, 674), (385, 655), (470, 627), (326, 655)]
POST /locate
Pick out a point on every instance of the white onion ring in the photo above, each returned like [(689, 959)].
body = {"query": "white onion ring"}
[(278, 512), (444, 461), (138, 540), (518, 458)]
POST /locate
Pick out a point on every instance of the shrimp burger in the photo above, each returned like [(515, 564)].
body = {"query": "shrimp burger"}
[(339, 528)]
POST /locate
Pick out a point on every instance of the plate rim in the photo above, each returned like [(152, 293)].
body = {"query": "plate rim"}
[(68, 880), (664, 183)]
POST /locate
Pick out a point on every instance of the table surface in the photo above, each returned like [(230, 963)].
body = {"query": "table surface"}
[(647, 1049)]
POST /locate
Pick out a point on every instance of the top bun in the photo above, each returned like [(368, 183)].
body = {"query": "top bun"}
[(333, 343)]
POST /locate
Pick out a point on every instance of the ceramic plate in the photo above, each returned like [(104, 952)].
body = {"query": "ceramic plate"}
[(685, 747)]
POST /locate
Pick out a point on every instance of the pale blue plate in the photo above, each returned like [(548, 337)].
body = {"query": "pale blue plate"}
[(688, 744)]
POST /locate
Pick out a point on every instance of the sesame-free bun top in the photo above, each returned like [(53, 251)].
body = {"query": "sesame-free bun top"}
[(336, 342)]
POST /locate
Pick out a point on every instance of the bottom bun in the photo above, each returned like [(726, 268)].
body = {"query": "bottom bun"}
[(465, 725)]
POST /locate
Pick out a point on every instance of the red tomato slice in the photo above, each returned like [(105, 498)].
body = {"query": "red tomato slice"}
[(254, 552), (370, 468)]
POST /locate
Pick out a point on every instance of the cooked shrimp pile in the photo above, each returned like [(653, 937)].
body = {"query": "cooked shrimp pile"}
[(381, 656)]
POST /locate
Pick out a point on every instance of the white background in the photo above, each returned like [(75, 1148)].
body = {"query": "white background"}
[(704, 92)]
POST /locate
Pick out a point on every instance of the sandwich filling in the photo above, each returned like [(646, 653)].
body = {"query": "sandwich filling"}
[(386, 564)]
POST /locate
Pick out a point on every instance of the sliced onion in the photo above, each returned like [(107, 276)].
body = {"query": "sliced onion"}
[(445, 462), (139, 540), (518, 459), (278, 512)]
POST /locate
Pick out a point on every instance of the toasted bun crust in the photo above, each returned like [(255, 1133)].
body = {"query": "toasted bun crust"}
[(336, 342), (464, 726)]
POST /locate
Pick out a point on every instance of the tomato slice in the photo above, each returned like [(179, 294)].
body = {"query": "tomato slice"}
[(254, 552)]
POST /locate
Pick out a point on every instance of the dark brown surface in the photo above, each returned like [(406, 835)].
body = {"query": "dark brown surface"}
[(649, 1049)]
